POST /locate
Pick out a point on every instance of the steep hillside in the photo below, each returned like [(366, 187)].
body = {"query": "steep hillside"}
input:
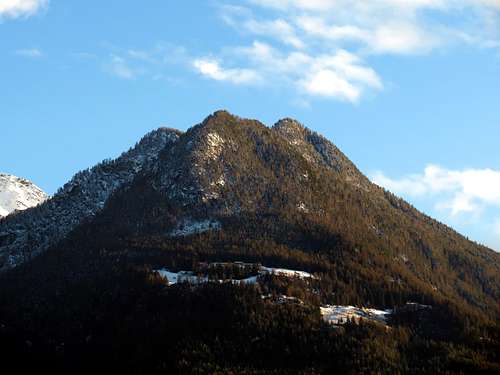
[(27, 234)]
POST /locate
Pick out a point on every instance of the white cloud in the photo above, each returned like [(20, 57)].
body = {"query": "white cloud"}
[(328, 83), (211, 68), (270, 59), (21, 8), (323, 47), (156, 62), (329, 5), (278, 28), (32, 53), (393, 26), (340, 75), (394, 37), (466, 191)]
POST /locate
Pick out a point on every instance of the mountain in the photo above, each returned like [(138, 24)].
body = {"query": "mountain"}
[(17, 194), (291, 186), (29, 233), (295, 238)]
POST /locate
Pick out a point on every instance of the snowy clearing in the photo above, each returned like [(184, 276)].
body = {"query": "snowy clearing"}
[(287, 272), (189, 276), (338, 314), (182, 276)]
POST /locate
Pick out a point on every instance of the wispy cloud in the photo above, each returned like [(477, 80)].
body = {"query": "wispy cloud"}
[(390, 37), (392, 26), (243, 19), (21, 8), (211, 68), (32, 53), (120, 67), (141, 55), (465, 191), (130, 63), (323, 47)]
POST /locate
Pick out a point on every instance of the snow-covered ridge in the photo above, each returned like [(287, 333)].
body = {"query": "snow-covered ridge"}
[(17, 194), (29, 233)]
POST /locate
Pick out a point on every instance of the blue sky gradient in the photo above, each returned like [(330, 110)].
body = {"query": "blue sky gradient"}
[(399, 87)]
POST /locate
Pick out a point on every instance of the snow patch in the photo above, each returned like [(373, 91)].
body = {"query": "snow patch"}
[(189, 276), (338, 314), (215, 143), (287, 272), (182, 276), (302, 207), (404, 258), (221, 181)]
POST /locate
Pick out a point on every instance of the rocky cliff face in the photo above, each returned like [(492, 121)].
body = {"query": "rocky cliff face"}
[(17, 194)]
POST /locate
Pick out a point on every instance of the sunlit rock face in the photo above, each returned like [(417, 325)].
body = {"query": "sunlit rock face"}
[(18, 194)]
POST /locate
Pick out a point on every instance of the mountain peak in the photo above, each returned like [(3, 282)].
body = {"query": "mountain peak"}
[(291, 129), (289, 124), (220, 116), (221, 119)]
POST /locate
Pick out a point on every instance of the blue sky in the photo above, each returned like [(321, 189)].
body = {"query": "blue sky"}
[(408, 89)]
